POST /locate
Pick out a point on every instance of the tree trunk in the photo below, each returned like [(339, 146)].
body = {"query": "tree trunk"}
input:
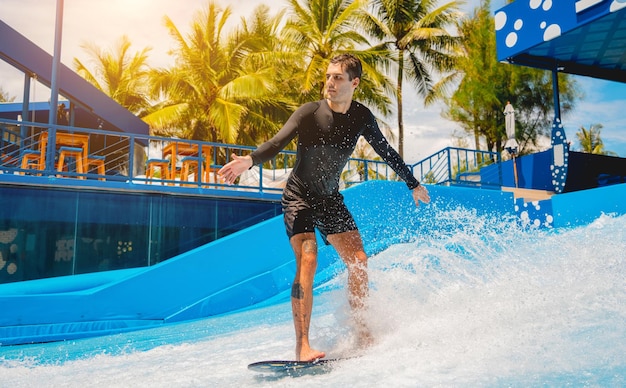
[(399, 99), (477, 138)]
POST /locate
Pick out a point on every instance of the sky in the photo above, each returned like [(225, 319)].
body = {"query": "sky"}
[(103, 22)]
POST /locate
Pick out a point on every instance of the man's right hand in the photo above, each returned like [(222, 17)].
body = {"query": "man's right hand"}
[(234, 168), (420, 193)]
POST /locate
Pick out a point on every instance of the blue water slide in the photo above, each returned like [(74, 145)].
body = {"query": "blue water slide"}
[(249, 268)]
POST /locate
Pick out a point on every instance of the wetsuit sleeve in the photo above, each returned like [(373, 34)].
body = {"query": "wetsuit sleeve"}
[(379, 143), (273, 146)]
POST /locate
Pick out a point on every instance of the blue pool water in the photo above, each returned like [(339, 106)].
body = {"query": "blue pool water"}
[(482, 303)]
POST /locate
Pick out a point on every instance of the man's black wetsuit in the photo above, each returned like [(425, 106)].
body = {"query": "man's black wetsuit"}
[(326, 139)]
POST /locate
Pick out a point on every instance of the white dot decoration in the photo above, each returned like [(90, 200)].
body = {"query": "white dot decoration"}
[(511, 39), (552, 32), (500, 20)]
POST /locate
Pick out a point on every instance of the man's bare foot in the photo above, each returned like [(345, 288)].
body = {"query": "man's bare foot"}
[(309, 355), (364, 339)]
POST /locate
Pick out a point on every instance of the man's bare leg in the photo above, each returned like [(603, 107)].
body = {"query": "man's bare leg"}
[(349, 246), (305, 249)]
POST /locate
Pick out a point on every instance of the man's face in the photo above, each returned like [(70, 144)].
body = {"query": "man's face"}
[(339, 87)]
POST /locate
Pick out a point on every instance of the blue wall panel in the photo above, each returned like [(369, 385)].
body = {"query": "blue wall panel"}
[(582, 207)]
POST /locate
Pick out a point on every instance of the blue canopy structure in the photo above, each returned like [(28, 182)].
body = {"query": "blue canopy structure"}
[(583, 37)]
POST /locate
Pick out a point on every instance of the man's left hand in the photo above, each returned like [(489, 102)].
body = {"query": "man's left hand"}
[(420, 193)]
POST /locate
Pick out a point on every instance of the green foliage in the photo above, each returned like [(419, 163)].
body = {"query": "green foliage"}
[(240, 85), (118, 73), (320, 29), (591, 141), (429, 178), (5, 97), (416, 33), (486, 85), (211, 82)]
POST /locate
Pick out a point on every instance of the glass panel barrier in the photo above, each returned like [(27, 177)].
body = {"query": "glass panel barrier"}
[(47, 232)]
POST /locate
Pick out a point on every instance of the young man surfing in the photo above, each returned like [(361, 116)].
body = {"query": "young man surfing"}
[(327, 132)]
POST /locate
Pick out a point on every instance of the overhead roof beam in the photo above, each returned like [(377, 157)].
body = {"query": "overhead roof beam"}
[(21, 53)]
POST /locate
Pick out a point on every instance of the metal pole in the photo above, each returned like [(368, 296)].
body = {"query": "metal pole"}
[(25, 103), (54, 88), (555, 94), (515, 171)]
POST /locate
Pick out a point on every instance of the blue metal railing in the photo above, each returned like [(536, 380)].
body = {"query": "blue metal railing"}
[(459, 166), (126, 155), (10, 145)]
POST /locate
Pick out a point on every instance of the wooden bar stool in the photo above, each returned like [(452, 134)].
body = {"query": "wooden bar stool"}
[(74, 153), (97, 161), (209, 172), (189, 164), (162, 164), (30, 160)]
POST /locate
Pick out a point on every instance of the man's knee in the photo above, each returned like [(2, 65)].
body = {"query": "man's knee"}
[(309, 253), (359, 258), (309, 247)]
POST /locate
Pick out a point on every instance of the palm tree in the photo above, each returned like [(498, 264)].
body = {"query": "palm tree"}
[(476, 104), (320, 29), (208, 91), (117, 73), (416, 31), (591, 141), (264, 114), (5, 97)]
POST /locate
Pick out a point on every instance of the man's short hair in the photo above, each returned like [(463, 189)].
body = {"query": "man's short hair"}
[(350, 64)]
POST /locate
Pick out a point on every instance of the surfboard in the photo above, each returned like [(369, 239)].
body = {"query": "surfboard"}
[(294, 367)]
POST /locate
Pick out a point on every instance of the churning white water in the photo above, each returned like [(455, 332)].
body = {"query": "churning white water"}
[(480, 302)]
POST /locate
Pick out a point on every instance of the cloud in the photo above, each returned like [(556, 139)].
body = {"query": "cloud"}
[(426, 132)]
